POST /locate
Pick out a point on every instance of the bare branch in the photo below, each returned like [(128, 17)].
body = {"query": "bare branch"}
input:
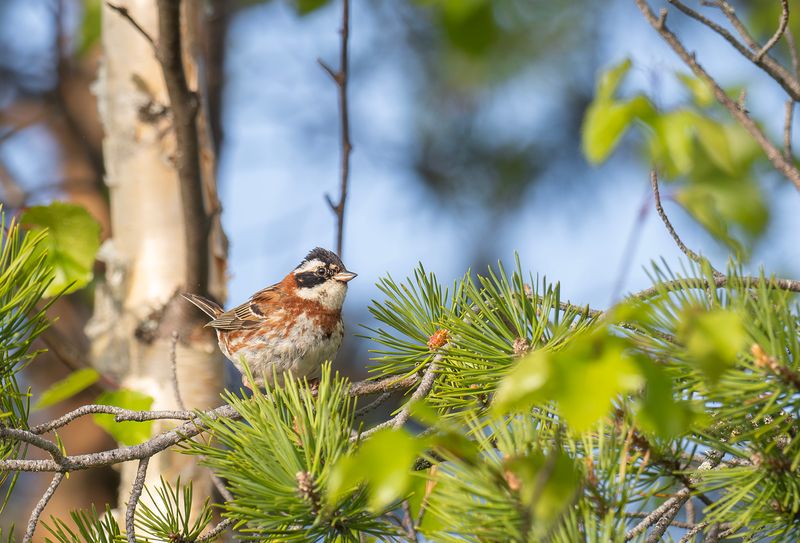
[(773, 153), (223, 525), (37, 511), (783, 22), (120, 415), (663, 515), (340, 77), (123, 11), (25, 436), (133, 501), (154, 445), (793, 52), (688, 536), (424, 388), (184, 106), (781, 75), (173, 361), (787, 130), (373, 404), (408, 523), (694, 257)]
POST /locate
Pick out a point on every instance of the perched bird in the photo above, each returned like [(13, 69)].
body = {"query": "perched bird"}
[(294, 325)]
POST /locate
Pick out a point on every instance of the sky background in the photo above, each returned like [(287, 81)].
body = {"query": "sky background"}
[(593, 229), (281, 156)]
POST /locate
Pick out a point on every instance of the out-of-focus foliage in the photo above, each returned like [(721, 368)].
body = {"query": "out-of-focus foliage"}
[(710, 159), (127, 433), (70, 246), (74, 383), (24, 277)]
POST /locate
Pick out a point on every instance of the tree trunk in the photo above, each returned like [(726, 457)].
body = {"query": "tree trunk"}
[(147, 259)]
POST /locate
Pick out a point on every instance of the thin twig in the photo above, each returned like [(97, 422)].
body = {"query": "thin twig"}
[(793, 52), (408, 523), (221, 488), (424, 388), (629, 250), (133, 501), (119, 413), (340, 77), (663, 515), (37, 511), (123, 11), (184, 106), (774, 69), (783, 22), (773, 153), (676, 523), (688, 536), (373, 404), (787, 130), (173, 361), (694, 257), (30, 438), (223, 525)]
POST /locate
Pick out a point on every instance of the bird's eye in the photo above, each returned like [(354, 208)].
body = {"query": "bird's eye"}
[(321, 272)]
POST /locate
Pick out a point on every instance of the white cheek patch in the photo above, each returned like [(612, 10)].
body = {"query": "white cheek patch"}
[(329, 294)]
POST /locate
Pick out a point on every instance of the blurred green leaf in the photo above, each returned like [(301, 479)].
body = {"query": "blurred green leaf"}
[(676, 133), (610, 80), (127, 433), (714, 140), (659, 412), (722, 203), (594, 371), (73, 238), (304, 7), (89, 31), (702, 93), (712, 338), (75, 382), (384, 462), (545, 484), (606, 122), (531, 380), (584, 378)]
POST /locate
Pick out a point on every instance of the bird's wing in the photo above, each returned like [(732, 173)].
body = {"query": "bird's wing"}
[(250, 314)]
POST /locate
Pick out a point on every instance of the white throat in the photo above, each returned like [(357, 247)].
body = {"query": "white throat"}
[(329, 294)]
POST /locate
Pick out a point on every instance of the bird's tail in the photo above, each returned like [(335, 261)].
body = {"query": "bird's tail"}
[(212, 309)]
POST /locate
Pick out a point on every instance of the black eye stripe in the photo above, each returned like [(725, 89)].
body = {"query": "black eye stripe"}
[(309, 279)]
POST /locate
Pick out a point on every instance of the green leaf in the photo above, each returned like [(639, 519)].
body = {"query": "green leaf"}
[(305, 7), (702, 93), (714, 140), (384, 462), (722, 203), (606, 122), (584, 379), (530, 381), (89, 31), (546, 484), (610, 80), (676, 133), (73, 238), (127, 433), (713, 339), (594, 372), (75, 382), (659, 412)]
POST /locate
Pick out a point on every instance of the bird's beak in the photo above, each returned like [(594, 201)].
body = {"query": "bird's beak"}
[(345, 276)]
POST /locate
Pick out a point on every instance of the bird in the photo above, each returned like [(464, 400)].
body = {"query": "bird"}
[(292, 326)]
